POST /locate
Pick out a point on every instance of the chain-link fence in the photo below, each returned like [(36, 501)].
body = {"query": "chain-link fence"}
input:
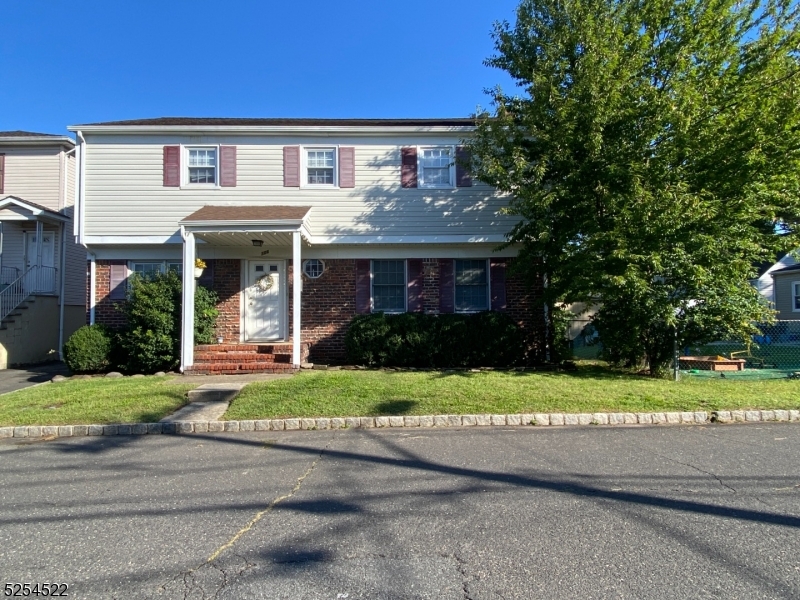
[(771, 354)]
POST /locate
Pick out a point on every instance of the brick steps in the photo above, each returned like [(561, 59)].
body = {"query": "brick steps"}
[(240, 359)]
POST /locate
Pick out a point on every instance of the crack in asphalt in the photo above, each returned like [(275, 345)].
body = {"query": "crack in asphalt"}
[(696, 468)]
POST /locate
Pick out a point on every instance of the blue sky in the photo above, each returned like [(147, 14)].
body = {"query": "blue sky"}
[(80, 61)]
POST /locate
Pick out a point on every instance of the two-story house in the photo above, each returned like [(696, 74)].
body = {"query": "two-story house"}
[(303, 224), (42, 269)]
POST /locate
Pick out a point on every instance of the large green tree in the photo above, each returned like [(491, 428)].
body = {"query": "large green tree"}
[(651, 152)]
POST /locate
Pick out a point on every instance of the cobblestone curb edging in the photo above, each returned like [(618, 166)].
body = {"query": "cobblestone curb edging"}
[(538, 419)]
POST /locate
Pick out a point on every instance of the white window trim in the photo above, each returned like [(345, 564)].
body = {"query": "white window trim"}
[(488, 288), (371, 288), (185, 167), (420, 182), (795, 296), (164, 264), (304, 168), (321, 272)]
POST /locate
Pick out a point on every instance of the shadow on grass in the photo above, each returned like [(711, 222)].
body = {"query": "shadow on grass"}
[(393, 407)]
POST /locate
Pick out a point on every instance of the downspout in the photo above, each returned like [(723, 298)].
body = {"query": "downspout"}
[(92, 276), (80, 189), (63, 262)]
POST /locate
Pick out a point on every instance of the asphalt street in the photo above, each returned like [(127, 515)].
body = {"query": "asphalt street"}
[(490, 513)]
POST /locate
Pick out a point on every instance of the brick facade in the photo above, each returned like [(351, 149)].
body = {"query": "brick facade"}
[(106, 310), (328, 303)]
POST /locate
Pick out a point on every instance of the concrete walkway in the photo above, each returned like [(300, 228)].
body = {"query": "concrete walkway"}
[(211, 399), (12, 380)]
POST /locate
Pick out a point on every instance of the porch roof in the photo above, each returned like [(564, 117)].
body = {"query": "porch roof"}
[(17, 209), (247, 225)]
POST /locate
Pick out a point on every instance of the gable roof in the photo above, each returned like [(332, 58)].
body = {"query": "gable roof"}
[(259, 122), (34, 208)]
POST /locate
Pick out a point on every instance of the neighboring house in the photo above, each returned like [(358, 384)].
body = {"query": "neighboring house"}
[(42, 269), (379, 215), (779, 284)]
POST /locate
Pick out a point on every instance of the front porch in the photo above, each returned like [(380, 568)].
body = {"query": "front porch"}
[(266, 338), (241, 359)]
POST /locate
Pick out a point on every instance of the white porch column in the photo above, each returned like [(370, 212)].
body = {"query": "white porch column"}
[(297, 282), (39, 236), (187, 304)]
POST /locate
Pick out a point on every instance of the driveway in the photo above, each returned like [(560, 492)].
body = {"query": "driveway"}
[(636, 512), (16, 379)]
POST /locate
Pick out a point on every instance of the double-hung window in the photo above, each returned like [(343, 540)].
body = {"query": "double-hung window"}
[(436, 167), (472, 285), (389, 286), (201, 166), (320, 167), (796, 296), (152, 268)]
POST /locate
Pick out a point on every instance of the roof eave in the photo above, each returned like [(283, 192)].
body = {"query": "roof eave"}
[(272, 129), (37, 141), (243, 223)]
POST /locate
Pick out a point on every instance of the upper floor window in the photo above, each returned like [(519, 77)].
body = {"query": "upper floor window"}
[(436, 167), (389, 285), (472, 285), (320, 166), (201, 166)]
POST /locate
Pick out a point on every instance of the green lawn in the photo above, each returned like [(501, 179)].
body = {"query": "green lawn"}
[(590, 389), (97, 400)]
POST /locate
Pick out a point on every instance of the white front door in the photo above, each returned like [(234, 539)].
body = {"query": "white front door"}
[(48, 250), (264, 301)]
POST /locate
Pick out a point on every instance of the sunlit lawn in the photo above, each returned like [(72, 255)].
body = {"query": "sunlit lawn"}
[(590, 389), (98, 400)]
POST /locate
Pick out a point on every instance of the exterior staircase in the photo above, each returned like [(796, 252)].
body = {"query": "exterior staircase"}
[(240, 359)]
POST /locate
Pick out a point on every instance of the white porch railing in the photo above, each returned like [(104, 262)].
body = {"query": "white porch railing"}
[(8, 275), (36, 280)]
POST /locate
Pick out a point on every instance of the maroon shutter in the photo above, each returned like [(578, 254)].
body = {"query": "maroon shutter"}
[(347, 167), (415, 283), (409, 168), (362, 287), (227, 164), (447, 286), (497, 282), (463, 178), (291, 166), (172, 166), (2, 172), (117, 277)]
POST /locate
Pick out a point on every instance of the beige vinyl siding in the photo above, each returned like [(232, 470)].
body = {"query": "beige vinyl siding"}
[(75, 279), (783, 295), (13, 246), (125, 195), (33, 174)]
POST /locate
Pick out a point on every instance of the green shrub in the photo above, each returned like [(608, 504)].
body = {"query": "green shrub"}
[(153, 311), (89, 349), (486, 339)]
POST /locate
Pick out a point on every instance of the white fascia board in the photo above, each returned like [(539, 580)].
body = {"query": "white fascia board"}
[(409, 239), (282, 224), (37, 141), (313, 130), (92, 240)]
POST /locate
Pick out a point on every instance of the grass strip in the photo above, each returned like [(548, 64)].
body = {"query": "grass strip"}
[(589, 389), (97, 400)]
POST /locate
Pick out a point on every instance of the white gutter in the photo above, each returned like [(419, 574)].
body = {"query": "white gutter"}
[(311, 130), (63, 262), (80, 189), (92, 277)]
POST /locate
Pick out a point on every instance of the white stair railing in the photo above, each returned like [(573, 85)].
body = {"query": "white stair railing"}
[(36, 280)]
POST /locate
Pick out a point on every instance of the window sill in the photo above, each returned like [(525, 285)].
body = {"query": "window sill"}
[(435, 187), (200, 186), (313, 186)]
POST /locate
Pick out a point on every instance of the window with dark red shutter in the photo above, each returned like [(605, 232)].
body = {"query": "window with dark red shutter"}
[(463, 178), (291, 166), (415, 284), (227, 165), (362, 286), (172, 166), (498, 283), (447, 290), (117, 277), (2, 172), (408, 167), (347, 167)]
